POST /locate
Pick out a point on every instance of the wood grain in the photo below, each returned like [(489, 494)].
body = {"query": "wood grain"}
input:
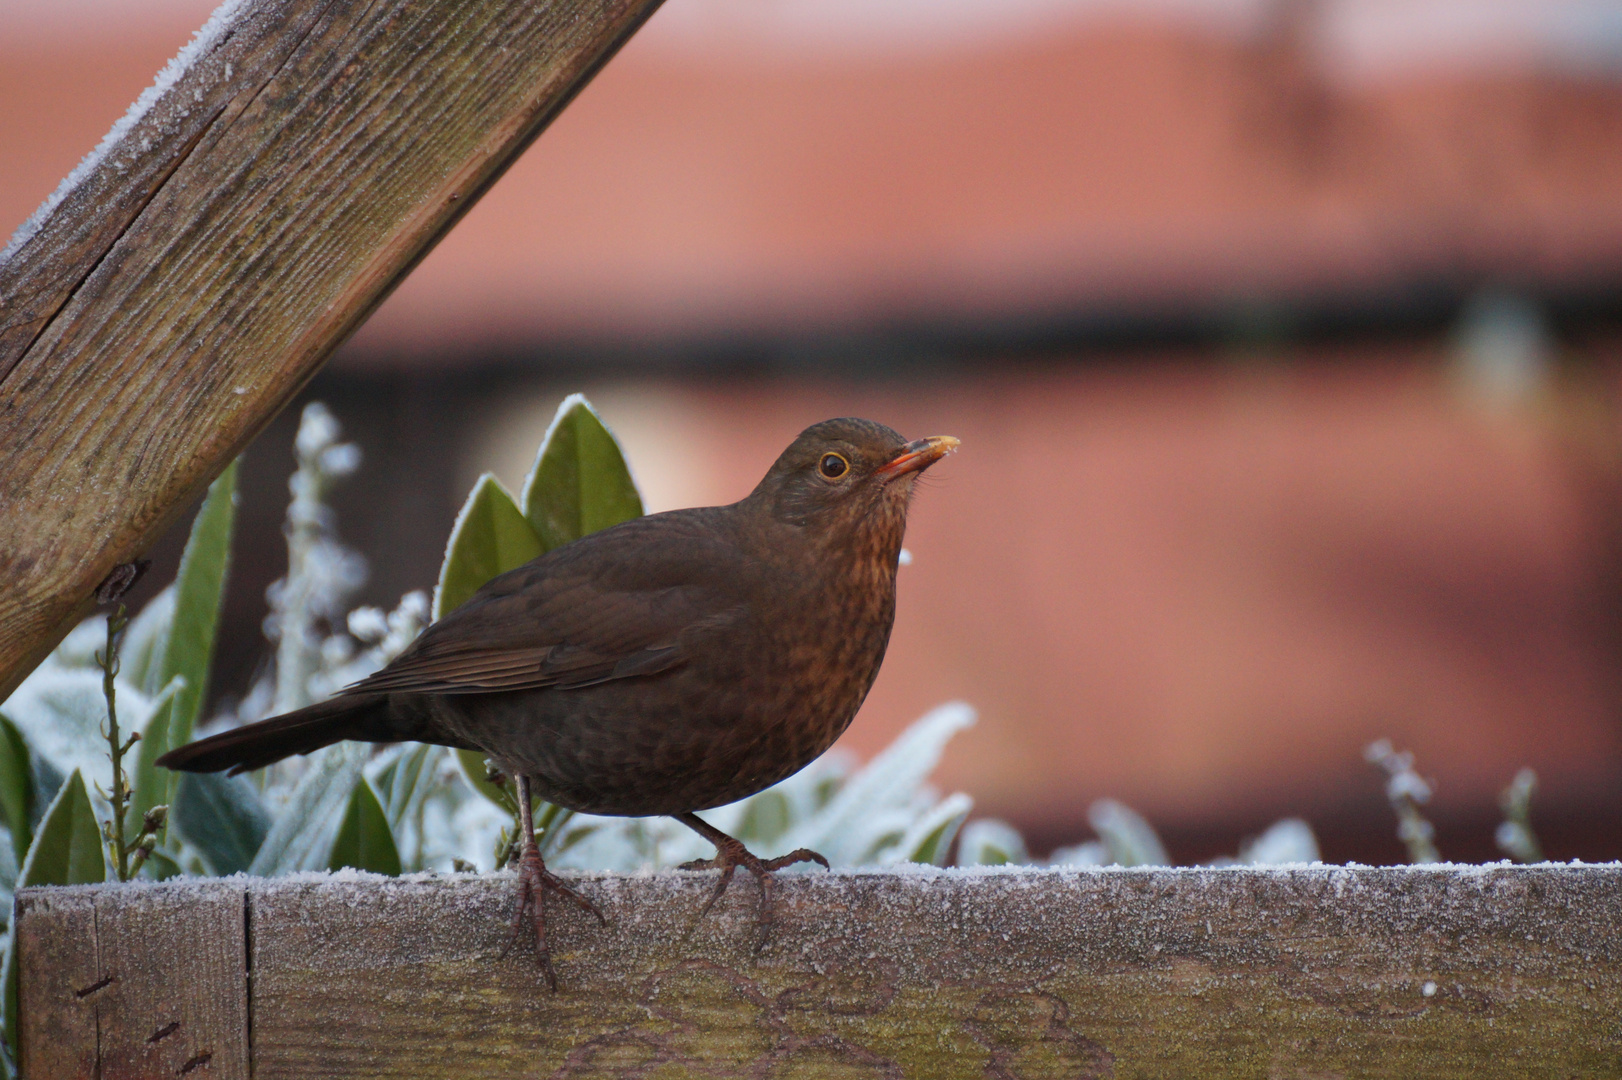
[(1293, 973), (56, 946), (179, 1006), (196, 278), (154, 988)]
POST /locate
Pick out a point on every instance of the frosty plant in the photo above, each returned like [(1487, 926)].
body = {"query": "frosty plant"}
[(1515, 836), (1407, 791)]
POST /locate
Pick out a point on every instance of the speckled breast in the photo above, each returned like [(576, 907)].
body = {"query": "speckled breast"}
[(738, 718)]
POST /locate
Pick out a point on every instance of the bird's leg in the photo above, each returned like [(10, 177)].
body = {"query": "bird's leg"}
[(534, 880), (731, 854)]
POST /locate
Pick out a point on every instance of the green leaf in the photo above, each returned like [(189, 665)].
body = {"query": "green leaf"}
[(301, 838), (17, 793), (199, 590), (66, 851), (490, 537), (766, 816), (67, 847), (222, 817), (404, 787), (580, 482), (8, 979), (364, 840), (47, 783), (406, 781), (930, 837), (187, 644), (989, 842)]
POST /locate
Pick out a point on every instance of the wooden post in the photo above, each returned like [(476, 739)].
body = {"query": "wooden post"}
[(290, 169), (1468, 972)]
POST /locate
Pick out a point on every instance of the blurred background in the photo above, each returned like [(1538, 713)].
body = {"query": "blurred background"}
[(1284, 338)]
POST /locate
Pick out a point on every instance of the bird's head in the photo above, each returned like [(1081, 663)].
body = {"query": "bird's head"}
[(849, 474)]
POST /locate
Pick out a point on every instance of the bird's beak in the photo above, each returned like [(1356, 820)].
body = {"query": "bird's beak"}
[(918, 456)]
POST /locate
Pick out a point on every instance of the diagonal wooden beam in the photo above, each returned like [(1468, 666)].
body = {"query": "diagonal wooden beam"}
[(282, 176)]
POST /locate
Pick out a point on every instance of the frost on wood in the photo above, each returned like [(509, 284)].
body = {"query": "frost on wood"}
[(1435, 971), (125, 138)]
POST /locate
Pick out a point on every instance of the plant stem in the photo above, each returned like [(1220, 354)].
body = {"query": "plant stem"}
[(117, 845)]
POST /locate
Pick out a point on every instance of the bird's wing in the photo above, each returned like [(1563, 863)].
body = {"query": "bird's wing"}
[(628, 601)]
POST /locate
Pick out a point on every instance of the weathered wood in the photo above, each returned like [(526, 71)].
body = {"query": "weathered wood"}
[(308, 155), (134, 989), (56, 945), (1404, 972)]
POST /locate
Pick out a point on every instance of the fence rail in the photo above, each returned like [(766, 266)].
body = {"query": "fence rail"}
[(1279, 973)]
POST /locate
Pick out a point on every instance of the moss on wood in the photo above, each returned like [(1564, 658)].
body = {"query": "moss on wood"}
[(1321, 972)]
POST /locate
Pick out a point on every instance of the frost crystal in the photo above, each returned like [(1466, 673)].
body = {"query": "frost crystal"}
[(202, 43)]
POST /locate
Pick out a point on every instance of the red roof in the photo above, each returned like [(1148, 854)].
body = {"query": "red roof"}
[(1077, 165)]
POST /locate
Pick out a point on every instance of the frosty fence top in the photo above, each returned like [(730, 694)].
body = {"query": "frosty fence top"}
[(1301, 972)]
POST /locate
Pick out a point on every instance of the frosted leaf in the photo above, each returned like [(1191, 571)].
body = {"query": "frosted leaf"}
[(61, 712), (989, 842), (929, 837), (337, 650), (404, 623), (1378, 751), (1290, 840), (1091, 853), (843, 830), (83, 642), (1127, 836), (413, 606), (8, 864), (301, 837)]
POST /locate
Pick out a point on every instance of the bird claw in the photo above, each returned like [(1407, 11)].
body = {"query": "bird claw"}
[(796, 856), (534, 882), (731, 854)]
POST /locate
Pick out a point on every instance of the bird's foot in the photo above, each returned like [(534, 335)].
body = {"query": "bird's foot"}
[(731, 854), (534, 882)]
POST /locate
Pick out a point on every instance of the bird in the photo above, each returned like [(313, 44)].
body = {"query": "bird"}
[(666, 665)]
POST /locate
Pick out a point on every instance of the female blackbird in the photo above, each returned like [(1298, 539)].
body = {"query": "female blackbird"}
[(672, 663)]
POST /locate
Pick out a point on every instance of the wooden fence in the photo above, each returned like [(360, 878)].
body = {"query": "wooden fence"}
[(1283, 974)]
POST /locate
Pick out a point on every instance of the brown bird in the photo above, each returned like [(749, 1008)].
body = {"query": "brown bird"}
[(669, 664)]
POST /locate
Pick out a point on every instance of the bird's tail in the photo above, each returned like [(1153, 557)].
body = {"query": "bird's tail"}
[(254, 746)]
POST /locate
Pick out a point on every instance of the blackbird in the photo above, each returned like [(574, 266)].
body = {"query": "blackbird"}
[(665, 665)]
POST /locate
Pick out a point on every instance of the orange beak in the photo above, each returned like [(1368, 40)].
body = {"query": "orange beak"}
[(918, 455)]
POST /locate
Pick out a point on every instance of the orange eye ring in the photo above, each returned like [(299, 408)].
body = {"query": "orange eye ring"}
[(833, 466)]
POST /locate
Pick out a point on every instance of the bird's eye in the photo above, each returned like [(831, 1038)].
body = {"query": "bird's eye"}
[(833, 466)]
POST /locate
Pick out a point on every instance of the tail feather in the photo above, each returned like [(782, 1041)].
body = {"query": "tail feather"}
[(305, 731)]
